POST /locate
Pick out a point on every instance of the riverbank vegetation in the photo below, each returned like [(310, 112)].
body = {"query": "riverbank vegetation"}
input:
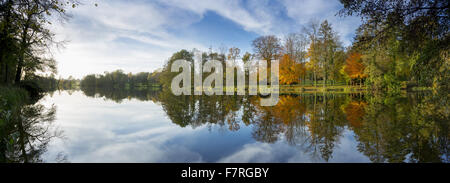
[(118, 79), (25, 44), (400, 45)]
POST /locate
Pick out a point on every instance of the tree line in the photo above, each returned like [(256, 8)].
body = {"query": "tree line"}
[(309, 56), (399, 44), (118, 79), (50, 83), (402, 41)]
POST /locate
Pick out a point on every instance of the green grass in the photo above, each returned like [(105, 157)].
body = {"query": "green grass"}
[(421, 88), (13, 95), (320, 83), (291, 89), (297, 89), (11, 98), (143, 87)]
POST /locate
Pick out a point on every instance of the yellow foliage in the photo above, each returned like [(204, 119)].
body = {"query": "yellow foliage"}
[(313, 57), (290, 71)]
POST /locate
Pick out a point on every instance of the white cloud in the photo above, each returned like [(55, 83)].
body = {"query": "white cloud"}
[(345, 150), (304, 11), (96, 132), (94, 36), (230, 9), (138, 35), (102, 134)]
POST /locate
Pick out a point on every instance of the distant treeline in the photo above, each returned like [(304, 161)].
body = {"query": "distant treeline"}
[(398, 45), (118, 79), (50, 83)]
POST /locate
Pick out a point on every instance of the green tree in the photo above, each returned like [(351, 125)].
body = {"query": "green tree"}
[(167, 75), (413, 32), (328, 51)]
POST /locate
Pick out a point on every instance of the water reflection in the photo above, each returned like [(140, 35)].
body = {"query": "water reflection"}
[(25, 132), (406, 128)]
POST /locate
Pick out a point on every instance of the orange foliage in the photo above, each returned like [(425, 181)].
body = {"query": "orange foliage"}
[(355, 112), (290, 71), (353, 66), (289, 109)]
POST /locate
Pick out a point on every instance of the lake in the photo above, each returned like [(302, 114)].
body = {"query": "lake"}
[(98, 125)]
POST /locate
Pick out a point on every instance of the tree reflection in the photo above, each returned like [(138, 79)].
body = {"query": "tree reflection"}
[(399, 129), (25, 132), (326, 123), (409, 128), (118, 95)]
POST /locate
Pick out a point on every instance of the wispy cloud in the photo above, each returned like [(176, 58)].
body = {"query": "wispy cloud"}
[(140, 35)]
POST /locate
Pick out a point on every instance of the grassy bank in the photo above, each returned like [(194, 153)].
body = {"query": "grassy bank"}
[(314, 89), (295, 89), (11, 99), (143, 87), (13, 95), (298, 89)]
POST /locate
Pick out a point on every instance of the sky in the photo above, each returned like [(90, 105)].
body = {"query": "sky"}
[(140, 35)]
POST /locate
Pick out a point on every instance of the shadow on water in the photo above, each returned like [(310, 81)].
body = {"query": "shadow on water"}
[(412, 127)]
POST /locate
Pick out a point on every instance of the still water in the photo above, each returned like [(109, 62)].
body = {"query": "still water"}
[(149, 126)]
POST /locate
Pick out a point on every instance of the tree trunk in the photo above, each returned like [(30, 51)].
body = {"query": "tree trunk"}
[(269, 71), (6, 72), (23, 46), (3, 72), (314, 77), (18, 72), (2, 65)]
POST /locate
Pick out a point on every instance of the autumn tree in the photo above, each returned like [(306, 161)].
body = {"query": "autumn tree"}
[(414, 33), (355, 113), (295, 45), (290, 71), (313, 64), (246, 58), (354, 68), (313, 49), (233, 54)]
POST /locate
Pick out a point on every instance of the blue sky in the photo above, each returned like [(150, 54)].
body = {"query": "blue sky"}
[(140, 35)]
